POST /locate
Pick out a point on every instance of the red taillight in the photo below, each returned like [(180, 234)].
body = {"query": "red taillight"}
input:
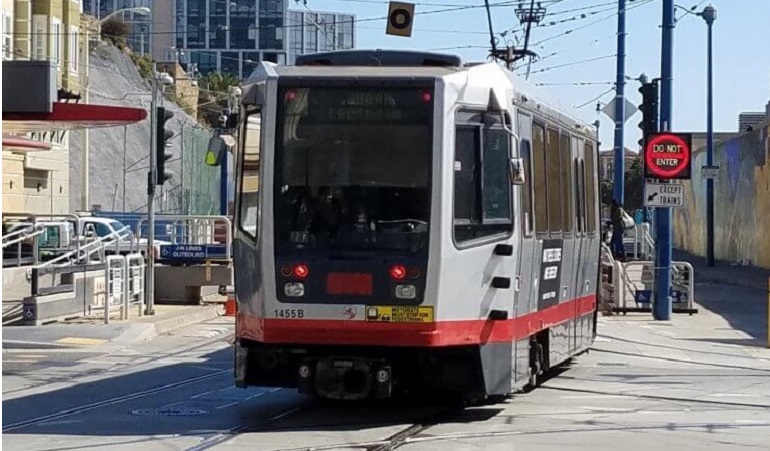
[(301, 271), (426, 96), (397, 272)]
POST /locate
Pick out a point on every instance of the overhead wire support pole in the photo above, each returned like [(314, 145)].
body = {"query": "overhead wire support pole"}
[(620, 108), (662, 302), (709, 15)]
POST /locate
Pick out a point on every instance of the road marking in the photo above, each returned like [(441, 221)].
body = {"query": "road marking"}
[(227, 405), (734, 395), (81, 341)]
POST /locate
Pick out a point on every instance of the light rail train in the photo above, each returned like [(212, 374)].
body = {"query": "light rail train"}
[(408, 223)]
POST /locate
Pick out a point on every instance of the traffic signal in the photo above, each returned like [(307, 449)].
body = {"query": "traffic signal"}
[(162, 136), (649, 109)]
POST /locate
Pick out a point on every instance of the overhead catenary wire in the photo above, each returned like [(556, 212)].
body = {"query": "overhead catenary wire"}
[(583, 105)]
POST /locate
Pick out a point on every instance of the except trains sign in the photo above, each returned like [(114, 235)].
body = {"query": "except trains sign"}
[(668, 156)]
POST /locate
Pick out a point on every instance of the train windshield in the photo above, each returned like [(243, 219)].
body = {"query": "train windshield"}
[(352, 169)]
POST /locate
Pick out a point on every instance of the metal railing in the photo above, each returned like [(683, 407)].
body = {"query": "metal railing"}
[(194, 230), (38, 222), (99, 245), (682, 282), (644, 245)]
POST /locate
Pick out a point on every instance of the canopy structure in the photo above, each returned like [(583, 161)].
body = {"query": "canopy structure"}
[(71, 116)]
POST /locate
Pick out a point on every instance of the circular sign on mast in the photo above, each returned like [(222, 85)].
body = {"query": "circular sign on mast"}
[(668, 156)]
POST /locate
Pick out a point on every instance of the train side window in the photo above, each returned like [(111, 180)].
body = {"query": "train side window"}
[(526, 155), (566, 182), (482, 191), (249, 177), (495, 183), (553, 172), (579, 197), (539, 178), (590, 183)]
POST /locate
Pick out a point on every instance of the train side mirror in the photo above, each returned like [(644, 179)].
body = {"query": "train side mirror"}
[(516, 171)]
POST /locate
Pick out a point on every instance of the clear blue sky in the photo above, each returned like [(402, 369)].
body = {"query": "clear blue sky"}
[(741, 50)]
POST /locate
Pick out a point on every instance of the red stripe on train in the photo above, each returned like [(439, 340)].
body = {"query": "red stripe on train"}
[(441, 333)]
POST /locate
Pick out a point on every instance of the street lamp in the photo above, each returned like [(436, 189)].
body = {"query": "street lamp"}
[(709, 14), (84, 151)]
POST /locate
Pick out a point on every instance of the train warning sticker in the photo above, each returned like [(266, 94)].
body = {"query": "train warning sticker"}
[(399, 314)]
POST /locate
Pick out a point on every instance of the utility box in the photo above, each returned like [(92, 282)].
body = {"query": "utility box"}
[(29, 86)]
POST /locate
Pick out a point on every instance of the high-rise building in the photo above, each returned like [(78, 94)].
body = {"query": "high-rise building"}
[(228, 36), (140, 33), (311, 32)]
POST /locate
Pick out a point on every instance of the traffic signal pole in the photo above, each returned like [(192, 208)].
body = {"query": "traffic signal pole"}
[(149, 275), (662, 305), (620, 107)]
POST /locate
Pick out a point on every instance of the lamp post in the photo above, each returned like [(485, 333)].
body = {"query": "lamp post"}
[(84, 151), (709, 14)]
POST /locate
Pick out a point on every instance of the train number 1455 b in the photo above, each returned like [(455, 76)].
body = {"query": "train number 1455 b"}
[(290, 313)]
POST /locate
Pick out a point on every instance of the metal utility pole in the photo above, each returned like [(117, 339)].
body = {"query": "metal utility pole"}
[(620, 108), (709, 14), (84, 145), (152, 179), (662, 306)]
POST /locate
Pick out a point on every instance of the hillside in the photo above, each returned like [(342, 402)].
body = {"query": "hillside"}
[(119, 156)]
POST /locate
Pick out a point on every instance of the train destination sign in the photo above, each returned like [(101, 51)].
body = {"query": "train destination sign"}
[(668, 156)]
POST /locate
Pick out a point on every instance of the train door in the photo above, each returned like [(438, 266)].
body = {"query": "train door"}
[(524, 277), (570, 249), (248, 230), (593, 234), (578, 187)]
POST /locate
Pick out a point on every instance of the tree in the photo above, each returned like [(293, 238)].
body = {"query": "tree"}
[(634, 188), (115, 31), (213, 95)]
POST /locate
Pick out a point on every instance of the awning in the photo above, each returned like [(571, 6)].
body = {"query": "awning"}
[(72, 116), (22, 144)]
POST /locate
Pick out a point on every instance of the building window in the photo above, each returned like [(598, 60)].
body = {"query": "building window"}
[(74, 54), (40, 37), (482, 191), (345, 32), (7, 35), (56, 40)]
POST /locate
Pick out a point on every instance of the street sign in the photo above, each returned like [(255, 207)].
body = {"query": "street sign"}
[(192, 252), (663, 195), (667, 156), (629, 110), (29, 312), (400, 17), (709, 172)]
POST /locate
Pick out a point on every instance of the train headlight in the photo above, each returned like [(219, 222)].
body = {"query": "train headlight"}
[(406, 291), (294, 289)]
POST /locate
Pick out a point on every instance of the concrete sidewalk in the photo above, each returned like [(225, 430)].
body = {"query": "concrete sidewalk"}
[(93, 331), (726, 273)]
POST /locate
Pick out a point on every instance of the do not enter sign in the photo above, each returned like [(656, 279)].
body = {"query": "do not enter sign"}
[(668, 156)]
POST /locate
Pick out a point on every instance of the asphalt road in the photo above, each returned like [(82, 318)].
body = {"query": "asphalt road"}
[(694, 383)]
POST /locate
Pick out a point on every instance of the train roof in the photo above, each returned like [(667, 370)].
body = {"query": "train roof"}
[(419, 64)]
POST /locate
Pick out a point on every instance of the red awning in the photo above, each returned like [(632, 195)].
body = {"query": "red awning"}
[(72, 116), (22, 144)]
